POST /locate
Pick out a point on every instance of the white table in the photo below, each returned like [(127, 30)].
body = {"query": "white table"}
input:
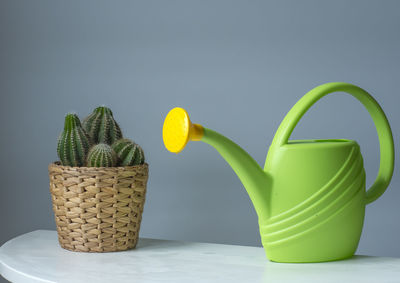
[(37, 257)]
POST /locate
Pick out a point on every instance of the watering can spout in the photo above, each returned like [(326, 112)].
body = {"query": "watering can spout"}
[(178, 130)]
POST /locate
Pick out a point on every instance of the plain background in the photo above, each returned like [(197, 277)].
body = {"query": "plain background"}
[(236, 66)]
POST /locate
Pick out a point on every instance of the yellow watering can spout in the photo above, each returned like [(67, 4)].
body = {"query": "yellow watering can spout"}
[(178, 130)]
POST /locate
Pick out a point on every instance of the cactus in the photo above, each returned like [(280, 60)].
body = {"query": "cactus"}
[(128, 152), (101, 126), (73, 143), (101, 155)]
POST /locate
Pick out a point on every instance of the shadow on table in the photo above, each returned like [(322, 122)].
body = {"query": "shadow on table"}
[(154, 244), (354, 269)]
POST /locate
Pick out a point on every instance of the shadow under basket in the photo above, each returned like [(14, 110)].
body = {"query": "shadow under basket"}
[(98, 209)]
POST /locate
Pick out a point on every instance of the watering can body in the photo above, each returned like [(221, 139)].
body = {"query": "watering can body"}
[(316, 203), (310, 197)]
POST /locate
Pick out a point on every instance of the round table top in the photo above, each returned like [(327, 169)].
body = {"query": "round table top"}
[(37, 257)]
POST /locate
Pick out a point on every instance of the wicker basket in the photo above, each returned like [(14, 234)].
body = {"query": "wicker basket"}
[(98, 209)]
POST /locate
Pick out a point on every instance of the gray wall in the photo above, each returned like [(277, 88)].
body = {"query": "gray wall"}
[(237, 66)]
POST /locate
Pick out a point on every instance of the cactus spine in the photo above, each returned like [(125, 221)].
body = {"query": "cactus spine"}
[(101, 155), (73, 143), (128, 152), (101, 126)]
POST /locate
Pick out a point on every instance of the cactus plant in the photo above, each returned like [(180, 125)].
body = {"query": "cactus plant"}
[(128, 152), (101, 126), (101, 155), (73, 143), (102, 132)]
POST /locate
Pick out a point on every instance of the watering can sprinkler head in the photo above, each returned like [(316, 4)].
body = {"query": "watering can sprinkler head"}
[(178, 130)]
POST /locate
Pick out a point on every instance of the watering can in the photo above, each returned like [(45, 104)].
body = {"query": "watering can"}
[(310, 197)]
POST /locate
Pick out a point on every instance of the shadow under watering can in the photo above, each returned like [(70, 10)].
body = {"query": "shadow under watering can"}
[(310, 197)]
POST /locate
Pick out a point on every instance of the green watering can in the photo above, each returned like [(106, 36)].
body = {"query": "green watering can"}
[(310, 198)]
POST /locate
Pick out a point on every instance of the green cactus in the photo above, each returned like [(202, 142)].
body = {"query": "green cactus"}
[(73, 143), (128, 152), (101, 126), (101, 155)]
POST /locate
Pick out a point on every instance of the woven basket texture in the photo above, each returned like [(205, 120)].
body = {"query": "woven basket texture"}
[(98, 209)]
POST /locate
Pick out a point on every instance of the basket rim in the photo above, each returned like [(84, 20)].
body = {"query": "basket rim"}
[(58, 165)]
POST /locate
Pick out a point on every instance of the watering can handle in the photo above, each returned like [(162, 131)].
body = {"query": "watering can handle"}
[(381, 123)]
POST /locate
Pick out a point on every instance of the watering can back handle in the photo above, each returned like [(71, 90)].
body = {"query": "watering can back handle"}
[(381, 123)]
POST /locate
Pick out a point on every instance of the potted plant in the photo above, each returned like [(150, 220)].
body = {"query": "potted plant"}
[(98, 186)]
